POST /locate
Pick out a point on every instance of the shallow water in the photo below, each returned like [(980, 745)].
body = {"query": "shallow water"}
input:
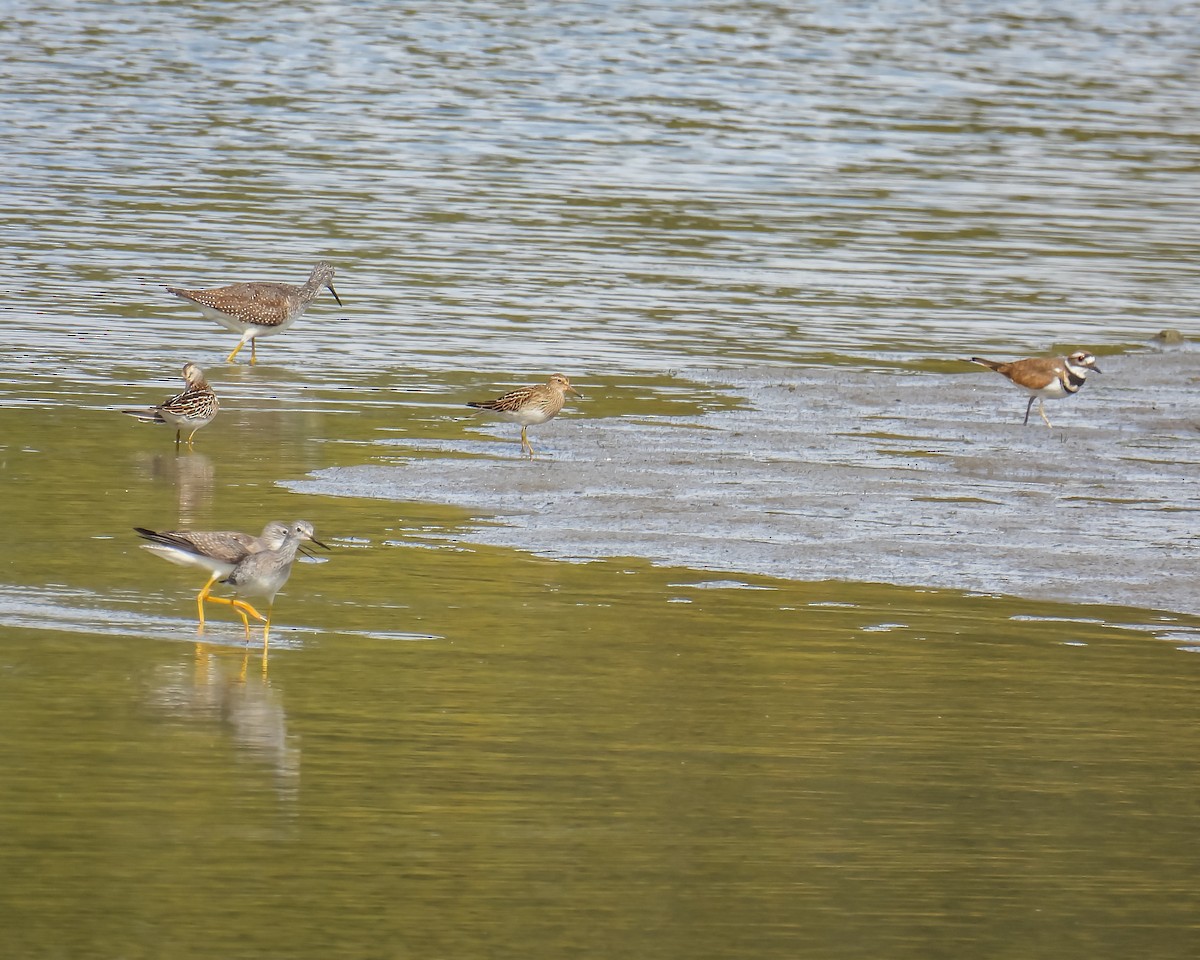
[(753, 662)]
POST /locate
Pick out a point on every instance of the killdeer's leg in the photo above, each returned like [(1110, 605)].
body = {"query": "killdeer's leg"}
[(1028, 407), (1042, 411)]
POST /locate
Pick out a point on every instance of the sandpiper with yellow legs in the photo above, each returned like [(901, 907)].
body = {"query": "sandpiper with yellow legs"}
[(218, 552), (260, 309), (194, 408), (263, 574), (531, 406)]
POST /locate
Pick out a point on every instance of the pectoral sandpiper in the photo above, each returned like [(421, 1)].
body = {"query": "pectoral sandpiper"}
[(261, 309), (194, 408), (530, 406)]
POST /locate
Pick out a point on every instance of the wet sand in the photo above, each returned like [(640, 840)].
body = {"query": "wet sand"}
[(916, 479)]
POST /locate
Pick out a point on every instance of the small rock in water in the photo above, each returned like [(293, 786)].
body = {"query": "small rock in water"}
[(1167, 339)]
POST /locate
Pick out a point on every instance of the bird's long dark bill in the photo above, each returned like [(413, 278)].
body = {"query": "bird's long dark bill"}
[(334, 292), (1097, 369), (318, 543)]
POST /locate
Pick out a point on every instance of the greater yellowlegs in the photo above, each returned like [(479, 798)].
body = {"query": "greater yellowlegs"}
[(261, 309), (263, 574), (217, 551), (194, 408), (530, 406), (1046, 378)]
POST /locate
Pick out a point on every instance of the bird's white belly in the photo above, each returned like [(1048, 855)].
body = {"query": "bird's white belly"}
[(240, 326), (1051, 391)]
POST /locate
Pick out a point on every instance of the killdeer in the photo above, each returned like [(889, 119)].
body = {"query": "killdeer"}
[(530, 406), (1045, 377), (259, 309)]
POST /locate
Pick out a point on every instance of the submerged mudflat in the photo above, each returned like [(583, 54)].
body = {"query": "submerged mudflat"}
[(915, 479)]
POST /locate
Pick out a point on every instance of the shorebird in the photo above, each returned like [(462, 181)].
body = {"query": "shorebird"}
[(1046, 378), (530, 406), (217, 551), (261, 309), (264, 573), (194, 408)]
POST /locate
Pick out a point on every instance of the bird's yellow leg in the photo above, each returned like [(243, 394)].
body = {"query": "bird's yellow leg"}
[(236, 350), (202, 596), (253, 351), (238, 605), (526, 446), (241, 606), (267, 631)]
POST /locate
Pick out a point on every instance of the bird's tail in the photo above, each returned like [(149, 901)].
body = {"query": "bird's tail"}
[(990, 364), (147, 415)]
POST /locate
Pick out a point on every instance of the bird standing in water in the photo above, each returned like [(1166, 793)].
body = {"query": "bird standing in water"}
[(261, 309), (530, 406), (263, 574), (195, 407)]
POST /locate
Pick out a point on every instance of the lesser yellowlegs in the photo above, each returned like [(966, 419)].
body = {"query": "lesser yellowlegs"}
[(530, 406), (217, 551), (259, 309), (1046, 378), (263, 574), (194, 408)]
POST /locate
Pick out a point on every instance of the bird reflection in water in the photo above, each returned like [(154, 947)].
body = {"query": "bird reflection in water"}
[(193, 475), (218, 689)]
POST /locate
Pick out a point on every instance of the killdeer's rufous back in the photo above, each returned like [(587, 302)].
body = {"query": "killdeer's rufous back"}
[(259, 309), (1046, 378)]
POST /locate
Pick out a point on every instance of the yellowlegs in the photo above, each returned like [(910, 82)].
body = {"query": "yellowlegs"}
[(263, 574), (217, 551), (259, 309), (530, 406), (1046, 378), (194, 408)]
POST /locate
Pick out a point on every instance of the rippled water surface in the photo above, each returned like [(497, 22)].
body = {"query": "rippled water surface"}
[(486, 725)]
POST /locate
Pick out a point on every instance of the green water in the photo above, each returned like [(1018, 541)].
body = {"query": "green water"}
[(454, 750)]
